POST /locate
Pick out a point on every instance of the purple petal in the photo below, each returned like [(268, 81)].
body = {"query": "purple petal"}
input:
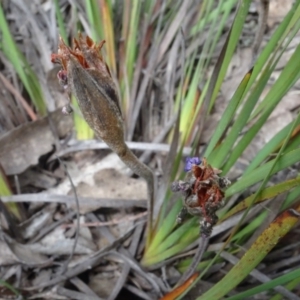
[(190, 161)]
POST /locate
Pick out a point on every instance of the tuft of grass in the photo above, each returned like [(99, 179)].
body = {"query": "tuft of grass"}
[(145, 43), (21, 66)]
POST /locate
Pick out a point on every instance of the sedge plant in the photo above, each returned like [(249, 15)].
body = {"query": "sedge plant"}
[(170, 45)]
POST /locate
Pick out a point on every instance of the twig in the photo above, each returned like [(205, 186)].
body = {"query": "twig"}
[(155, 146), (137, 292), (84, 288), (44, 231), (203, 241), (75, 295), (151, 278), (126, 267), (85, 202), (85, 265), (65, 266), (19, 97), (109, 223)]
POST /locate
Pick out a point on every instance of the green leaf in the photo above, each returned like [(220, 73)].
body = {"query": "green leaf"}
[(176, 248), (287, 78), (270, 147), (165, 229), (93, 14), (268, 193), (228, 115), (235, 33), (21, 66), (10, 287), (60, 21), (262, 246), (261, 172), (290, 286), (264, 65), (279, 281)]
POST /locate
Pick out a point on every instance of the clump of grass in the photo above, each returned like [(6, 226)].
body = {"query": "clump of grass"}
[(145, 44)]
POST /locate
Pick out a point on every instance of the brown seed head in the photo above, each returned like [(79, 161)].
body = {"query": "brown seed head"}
[(89, 79)]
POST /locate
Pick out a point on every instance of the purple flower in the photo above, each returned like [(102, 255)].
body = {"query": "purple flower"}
[(190, 161)]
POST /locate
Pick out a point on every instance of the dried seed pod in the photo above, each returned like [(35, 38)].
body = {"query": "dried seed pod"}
[(93, 93), (86, 75), (89, 79)]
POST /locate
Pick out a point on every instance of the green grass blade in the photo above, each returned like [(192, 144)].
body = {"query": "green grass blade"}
[(213, 85), (166, 227), (181, 245), (219, 155), (267, 193), (270, 147), (11, 288), (93, 14), (261, 172), (247, 231), (291, 276), (184, 264), (289, 28), (290, 286), (175, 236), (5, 190), (60, 21), (228, 115), (275, 163), (193, 233), (194, 75), (293, 196), (235, 33), (108, 31), (226, 8), (131, 45), (263, 245), (287, 78), (293, 143), (21, 66)]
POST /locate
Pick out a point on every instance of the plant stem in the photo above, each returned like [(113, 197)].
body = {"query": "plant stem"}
[(127, 156), (203, 241)]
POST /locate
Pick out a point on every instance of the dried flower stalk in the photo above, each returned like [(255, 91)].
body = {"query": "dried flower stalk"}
[(86, 75), (203, 191)]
